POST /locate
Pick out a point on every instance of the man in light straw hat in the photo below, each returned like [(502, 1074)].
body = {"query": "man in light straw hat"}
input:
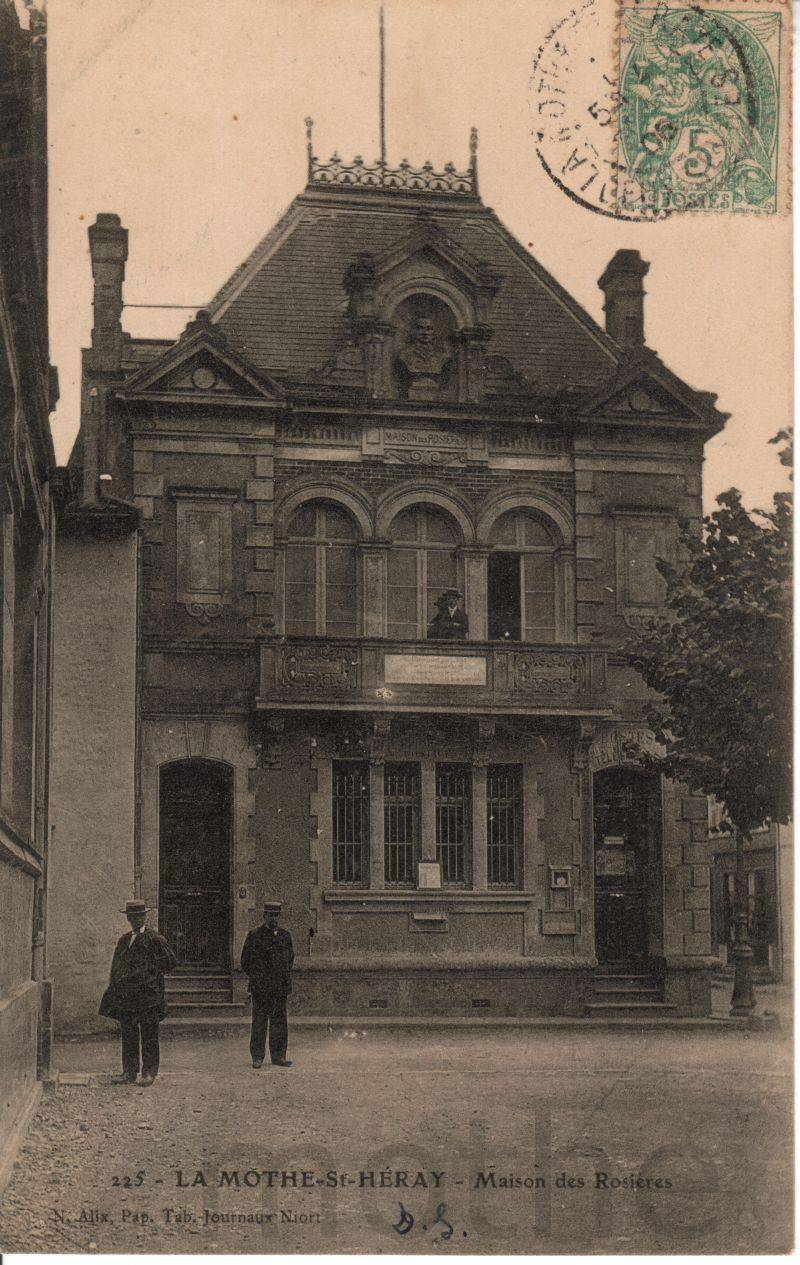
[(135, 994), (267, 959)]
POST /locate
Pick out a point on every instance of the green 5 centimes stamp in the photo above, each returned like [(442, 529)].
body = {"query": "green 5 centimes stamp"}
[(699, 108)]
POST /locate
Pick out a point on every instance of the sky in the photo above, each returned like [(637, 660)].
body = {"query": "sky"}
[(186, 118)]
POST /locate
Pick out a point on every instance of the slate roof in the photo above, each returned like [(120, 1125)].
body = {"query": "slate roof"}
[(284, 308)]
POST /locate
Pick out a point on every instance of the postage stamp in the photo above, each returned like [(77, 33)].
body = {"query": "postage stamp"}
[(644, 109), (699, 108)]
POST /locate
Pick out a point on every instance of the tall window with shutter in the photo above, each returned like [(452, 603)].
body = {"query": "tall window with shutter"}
[(422, 563), (321, 584), (522, 579)]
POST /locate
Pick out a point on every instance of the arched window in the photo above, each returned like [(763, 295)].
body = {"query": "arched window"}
[(321, 586), (521, 579), (422, 564)]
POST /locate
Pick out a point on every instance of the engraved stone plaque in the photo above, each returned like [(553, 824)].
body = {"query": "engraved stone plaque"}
[(435, 669)]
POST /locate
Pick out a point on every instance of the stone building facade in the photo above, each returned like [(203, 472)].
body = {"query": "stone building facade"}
[(389, 399), (27, 394)]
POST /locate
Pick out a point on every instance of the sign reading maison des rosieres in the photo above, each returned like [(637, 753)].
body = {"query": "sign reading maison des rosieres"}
[(425, 438)]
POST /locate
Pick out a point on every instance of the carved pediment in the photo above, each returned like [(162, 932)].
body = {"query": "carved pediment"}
[(427, 240), (426, 251), (644, 400), (641, 399), (201, 364), (643, 388), (420, 315)]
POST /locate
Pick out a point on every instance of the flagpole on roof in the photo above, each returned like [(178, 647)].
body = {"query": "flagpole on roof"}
[(382, 91)]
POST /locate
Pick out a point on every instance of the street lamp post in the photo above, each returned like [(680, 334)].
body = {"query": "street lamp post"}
[(743, 1000)]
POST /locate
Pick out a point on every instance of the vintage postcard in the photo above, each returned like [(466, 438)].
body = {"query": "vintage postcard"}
[(395, 731)]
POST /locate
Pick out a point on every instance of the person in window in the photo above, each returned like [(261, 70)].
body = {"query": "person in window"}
[(267, 960), (135, 995), (449, 623)]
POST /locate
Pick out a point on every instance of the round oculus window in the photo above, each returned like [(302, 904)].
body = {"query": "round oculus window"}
[(204, 379)]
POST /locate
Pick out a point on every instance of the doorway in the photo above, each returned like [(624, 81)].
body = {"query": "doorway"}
[(195, 829), (503, 596), (627, 834)]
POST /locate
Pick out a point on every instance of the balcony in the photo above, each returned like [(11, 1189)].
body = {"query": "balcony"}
[(465, 677)]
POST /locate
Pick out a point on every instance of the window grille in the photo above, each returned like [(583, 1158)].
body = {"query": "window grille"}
[(504, 825), (453, 822), (350, 822), (757, 908), (400, 823)]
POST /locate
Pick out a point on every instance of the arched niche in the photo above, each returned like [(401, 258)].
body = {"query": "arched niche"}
[(423, 352)]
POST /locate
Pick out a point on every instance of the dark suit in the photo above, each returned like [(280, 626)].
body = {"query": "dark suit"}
[(447, 627), (135, 997), (267, 959)]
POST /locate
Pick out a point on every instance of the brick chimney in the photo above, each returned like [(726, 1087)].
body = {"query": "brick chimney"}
[(622, 284), (108, 246)]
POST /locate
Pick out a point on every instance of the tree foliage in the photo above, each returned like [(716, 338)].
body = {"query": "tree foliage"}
[(720, 658)]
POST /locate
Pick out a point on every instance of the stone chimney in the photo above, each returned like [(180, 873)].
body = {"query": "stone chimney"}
[(622, 284), (108, 246)]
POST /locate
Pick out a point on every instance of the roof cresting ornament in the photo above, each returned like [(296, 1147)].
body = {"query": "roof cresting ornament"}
[(359, 174)]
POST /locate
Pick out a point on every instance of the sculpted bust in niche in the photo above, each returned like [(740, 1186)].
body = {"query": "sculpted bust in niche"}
[(423, 364)]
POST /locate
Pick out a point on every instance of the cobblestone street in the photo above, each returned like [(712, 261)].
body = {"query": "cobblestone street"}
[(493, 1130)]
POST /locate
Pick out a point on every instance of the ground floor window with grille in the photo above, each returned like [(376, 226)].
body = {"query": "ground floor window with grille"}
[(504, 825), (759, 920), (400, 824), (350, 823), (454, 823)]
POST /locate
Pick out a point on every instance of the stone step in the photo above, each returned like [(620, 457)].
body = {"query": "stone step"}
[(628, 1009), (200, 979), (622, 984), (651, 993), (180, 1009), (180, 1026), (205, 995), (624, 975)]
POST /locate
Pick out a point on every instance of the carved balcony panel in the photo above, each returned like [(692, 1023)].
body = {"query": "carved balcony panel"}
[(459, 677)]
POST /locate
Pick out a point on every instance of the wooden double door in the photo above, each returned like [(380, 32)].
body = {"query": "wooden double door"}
[(195, 830), (627, 837)]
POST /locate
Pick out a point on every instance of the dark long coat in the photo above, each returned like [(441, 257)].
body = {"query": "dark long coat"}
[(136, 989), (267, 960), (447, 627)]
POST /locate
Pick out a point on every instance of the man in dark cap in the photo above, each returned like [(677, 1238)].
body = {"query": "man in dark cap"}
[(267, 959), (135, 994), (449, 623)]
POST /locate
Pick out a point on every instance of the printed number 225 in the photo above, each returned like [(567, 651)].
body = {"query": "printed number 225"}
[(129, 1181)]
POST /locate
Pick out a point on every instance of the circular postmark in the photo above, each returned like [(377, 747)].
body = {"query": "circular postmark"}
[(574, 97), (678, 110)]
